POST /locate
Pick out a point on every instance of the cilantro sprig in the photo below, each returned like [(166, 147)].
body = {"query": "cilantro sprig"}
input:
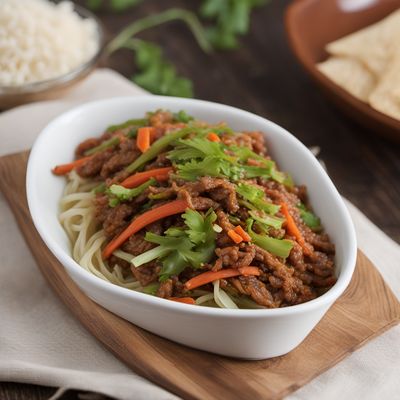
[(179, 248)]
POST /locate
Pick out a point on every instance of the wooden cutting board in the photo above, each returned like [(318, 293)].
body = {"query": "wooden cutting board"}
[(365, 310)]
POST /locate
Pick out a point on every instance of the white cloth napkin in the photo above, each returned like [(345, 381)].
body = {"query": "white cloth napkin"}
[(41, 343)]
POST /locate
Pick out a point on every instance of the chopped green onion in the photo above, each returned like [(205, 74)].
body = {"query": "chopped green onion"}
[(100, 188), (118, 193), (182, 116), (151, 288)]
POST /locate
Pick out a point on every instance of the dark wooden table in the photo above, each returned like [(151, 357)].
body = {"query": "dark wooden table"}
[(263, 77)]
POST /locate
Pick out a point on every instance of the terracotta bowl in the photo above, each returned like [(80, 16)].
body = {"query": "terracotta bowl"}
[(311, 24)]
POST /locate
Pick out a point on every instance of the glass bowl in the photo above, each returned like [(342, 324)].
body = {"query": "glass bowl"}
[(11, 96)]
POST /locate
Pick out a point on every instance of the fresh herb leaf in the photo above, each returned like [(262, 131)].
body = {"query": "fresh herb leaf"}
[(231, 18), (200, 228), (183, 116), (158, 75), (309, 218), (118, 193), (255, 196), (209, 166)]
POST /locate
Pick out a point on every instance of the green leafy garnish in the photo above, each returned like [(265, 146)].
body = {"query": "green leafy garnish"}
[(231, 17), (182, 116), (180, 247), (118, 193), (255, 196), (156, 74), (309, 218), (279, 247)]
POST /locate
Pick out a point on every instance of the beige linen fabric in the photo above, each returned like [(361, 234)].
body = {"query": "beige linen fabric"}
[(41, 343)]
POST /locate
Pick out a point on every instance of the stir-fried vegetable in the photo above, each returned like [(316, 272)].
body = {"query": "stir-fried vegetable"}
[(118, 193), (172, 208), (210, 276), (66, 168), (279, 247), (309, 218)]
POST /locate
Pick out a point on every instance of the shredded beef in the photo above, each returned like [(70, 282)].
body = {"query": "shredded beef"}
[(257, 291), (165, 289), (116, 219), (146, 273), (86, 145), (92, 167)]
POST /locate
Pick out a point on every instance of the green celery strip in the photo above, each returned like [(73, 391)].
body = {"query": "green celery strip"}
[(156, 148), (150, 255), (103, 146), (126, 124)]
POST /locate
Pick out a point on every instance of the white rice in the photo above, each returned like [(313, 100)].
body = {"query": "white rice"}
[(40, 40)]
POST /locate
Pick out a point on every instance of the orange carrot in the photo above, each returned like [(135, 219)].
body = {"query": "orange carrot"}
[(240, 231), (293, 230), (65, 168), (161, 174), (213, 137), (211, 276), (144, 137), (172, 208), (235, 236), (186, 300)]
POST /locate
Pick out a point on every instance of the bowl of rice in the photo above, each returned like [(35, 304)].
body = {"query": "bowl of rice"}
[(45, 48)]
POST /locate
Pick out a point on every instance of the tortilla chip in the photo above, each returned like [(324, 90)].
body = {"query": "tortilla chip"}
[(373, 46), (386, 96), (350, 75)]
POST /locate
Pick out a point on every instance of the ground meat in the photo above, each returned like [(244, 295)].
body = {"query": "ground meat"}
[(116, 219), (257, 142), (165, 289), (136, 244), (146, 273), (223, 221), (257, 291), (92, 167), (234, 256), (127, 153), (197, 203), (218, 189), (85, 146), (161, 118)]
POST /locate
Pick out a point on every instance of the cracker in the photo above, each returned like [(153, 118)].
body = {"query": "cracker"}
[(386, 96), (349, 74), (373, 45)]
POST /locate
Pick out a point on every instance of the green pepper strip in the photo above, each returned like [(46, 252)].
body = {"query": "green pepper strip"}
[(156, 148), (103, 146)]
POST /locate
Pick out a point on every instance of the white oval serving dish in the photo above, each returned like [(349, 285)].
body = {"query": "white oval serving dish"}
[(248, 334)]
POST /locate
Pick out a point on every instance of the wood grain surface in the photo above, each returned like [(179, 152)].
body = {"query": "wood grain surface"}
[(264, 77), (367, 308)]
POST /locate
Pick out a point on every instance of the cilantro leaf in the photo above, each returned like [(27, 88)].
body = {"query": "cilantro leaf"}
[(209, 166), (231, 19), (255, 196), (158, 75), (180, 247)]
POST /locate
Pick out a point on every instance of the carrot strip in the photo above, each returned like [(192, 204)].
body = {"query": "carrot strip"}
[(211, 276), (293, 229), (65, 168), (240, 231), (186, 300), (172, 208), (235, 236), (143, 138), (161, 174), (213, 137)]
